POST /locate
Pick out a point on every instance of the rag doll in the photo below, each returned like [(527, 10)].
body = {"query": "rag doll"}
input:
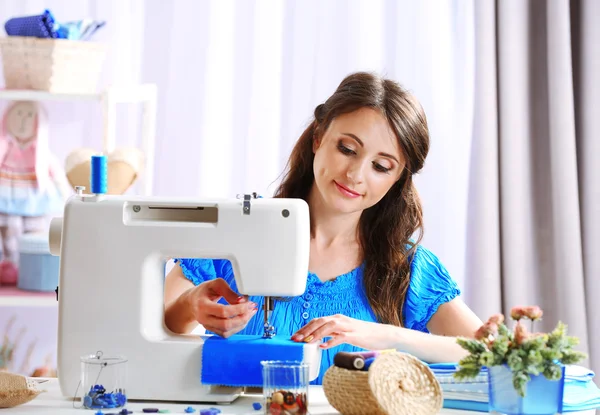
[(33, 185)]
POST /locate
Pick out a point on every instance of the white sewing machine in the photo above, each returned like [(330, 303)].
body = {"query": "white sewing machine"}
[(112, 254)]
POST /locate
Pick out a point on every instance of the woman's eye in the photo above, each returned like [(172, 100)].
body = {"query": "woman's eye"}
[(345, 149), (381, 168)]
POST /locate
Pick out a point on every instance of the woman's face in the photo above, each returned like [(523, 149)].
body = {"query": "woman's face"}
[(357, 161)]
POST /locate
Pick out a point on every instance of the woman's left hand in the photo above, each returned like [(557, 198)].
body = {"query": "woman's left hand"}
[(343, 329)]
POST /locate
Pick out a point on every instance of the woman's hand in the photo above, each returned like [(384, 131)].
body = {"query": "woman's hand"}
[(343, 329), (224, 320)]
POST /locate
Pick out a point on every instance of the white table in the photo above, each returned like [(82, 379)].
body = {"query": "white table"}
[(52, 402)]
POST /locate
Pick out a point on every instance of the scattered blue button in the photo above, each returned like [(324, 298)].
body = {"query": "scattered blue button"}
[(257, 406), (189, 410)]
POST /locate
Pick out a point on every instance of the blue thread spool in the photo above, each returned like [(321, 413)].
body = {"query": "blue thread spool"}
[(99, 175)]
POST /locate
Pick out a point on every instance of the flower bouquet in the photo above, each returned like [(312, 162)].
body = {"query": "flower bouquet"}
[(525, 368)]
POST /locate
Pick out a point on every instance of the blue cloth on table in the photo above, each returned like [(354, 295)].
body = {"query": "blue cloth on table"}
[(235, 361), (41, 25)]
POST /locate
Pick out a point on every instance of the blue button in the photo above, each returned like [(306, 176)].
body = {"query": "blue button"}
[(306, 305), (305, 315), (309, 296)]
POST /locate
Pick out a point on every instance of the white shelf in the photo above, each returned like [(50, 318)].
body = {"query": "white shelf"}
[(30, 95), (13, 297)]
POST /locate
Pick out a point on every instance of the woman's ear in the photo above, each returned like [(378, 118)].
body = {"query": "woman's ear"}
[(316, 142)]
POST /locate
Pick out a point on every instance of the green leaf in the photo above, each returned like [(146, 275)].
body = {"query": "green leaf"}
[(471, 345), (534, 357), (487, 359), (552, 371), (571, 357), (500, 347), (503, 330), (514, 361), (520, 380)]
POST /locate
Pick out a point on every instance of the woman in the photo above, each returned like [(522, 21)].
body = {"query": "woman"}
[(370, 286)]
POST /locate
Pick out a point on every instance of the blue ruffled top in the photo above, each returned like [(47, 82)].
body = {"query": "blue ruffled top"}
[(430, 286)]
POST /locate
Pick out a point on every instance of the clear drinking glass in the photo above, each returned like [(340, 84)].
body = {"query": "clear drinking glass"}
[(285, 387), (103, 381)]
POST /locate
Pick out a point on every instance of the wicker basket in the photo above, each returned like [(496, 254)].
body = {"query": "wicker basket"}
[(396, 383), (53, 65)]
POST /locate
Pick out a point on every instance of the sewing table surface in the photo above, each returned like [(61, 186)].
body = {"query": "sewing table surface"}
[(52, 402)]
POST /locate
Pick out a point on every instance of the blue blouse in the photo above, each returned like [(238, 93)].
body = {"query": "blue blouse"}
[(430, 286)]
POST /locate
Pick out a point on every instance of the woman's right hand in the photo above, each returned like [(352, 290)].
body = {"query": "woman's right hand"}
[(222, 319)]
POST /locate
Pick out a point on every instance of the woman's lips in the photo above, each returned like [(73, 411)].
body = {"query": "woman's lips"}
[(345, 191)]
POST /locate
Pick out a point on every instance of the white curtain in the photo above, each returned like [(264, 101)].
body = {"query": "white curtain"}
[(238, 81)]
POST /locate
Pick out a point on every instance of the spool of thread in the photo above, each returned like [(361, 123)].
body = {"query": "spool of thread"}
[(99, 175), (368, 363), (349, 361)]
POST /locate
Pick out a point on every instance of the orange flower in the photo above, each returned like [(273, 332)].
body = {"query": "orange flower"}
[(482, 333), (533, 313), (517, 313), (485, 331), (521, 333), (496, 319)]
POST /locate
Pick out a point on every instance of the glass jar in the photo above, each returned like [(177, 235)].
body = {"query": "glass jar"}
[(103, 381), (285, 387)]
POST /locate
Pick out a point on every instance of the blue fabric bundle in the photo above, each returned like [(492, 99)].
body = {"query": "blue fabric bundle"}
[(45, 26), (41, 25), (580, 394), (235, 361)]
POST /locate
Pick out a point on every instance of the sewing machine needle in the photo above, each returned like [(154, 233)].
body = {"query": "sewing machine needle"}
[(269, 330)]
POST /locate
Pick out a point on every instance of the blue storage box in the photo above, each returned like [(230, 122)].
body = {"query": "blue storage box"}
[(38, 269)]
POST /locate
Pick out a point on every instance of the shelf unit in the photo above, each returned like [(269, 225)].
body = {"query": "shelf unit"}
[(144, 94)]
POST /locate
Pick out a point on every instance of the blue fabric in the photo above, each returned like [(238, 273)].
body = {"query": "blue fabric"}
[(430, 286), (235, 361), (466, 405), (42, 26), (580, 393)]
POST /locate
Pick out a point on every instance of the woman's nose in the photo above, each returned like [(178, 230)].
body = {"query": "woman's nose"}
[(355, 173)]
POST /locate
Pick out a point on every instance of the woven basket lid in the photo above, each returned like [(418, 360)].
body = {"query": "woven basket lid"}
[(402, 384)]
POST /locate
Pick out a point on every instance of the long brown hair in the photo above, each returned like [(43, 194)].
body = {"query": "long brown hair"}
[(385, 229)]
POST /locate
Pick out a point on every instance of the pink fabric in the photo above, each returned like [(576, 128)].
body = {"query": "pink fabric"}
[(30, 156), (18, 168)]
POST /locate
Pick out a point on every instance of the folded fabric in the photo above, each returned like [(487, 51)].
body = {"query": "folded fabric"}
[(580, 394), (444, 372), (236, 361), (41, 25)]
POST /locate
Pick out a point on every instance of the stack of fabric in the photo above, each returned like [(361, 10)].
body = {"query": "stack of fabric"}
[(581, 393)]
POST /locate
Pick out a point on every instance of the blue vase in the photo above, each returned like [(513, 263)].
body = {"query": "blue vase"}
[(542, 396)]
